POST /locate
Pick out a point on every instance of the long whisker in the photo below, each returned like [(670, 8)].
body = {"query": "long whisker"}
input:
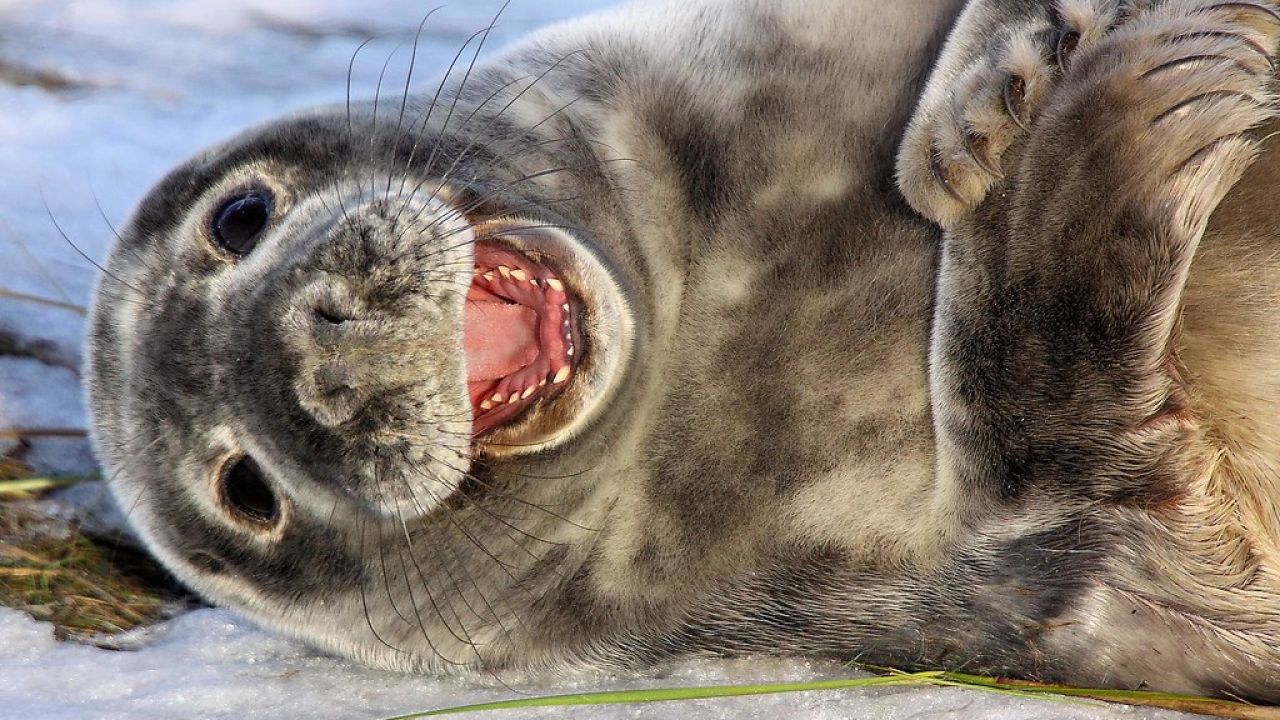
[(485, 130), (49, 211), (435, 606), (446, 567), (382, 562), (458, 159), (137, 498), (493, 612), (408, 78), (506, 496), (417, 140), (66, 303), (102, 213), (364, 596), (457, 95), (425, 117), (373, 132), (350, 68)]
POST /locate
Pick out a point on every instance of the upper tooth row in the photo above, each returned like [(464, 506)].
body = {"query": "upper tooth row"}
[(522, 276)]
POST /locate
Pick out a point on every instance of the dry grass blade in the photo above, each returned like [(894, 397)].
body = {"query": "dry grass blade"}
[(1214, 707), (25, 297), (20, 433)]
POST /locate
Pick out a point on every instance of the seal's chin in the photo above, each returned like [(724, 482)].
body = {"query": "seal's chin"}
[(519, 335)]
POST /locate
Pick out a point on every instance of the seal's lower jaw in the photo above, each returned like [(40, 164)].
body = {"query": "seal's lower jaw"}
[(546, 330)]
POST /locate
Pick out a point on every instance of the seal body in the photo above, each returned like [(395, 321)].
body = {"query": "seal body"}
[(628, 345)]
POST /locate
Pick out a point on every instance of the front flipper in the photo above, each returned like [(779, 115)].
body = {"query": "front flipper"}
[(1052, 359), (998, 68)]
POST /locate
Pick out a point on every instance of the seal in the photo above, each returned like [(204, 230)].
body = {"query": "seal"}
[(728, 326)]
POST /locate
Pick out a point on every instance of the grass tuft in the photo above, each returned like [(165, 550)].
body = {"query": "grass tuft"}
[(86, 587)]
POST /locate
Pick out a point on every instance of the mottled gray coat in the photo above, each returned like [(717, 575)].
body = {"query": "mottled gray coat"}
[(974, 389)]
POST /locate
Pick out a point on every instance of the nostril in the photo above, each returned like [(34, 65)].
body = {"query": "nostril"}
[(326, 315), (331, 379), (329, 395)]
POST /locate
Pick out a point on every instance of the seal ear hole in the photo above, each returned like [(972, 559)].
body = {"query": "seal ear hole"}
[(244, 492), (207, 562), (237, 223)]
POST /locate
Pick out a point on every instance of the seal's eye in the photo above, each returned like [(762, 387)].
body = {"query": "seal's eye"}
[(246, 494), (241, 219)]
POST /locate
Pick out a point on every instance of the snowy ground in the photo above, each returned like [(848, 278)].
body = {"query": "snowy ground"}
[(97, 99)]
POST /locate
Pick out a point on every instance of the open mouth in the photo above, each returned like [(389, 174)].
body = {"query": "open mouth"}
[(519, 335)]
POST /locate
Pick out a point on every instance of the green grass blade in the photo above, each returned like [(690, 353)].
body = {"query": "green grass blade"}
[(27, 486), (704, 692), (940, 678)]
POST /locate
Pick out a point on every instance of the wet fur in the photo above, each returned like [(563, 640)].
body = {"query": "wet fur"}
[(840, 431)]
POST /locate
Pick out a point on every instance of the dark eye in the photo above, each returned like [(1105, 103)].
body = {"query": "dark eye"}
[(239, 222), (247, 494)]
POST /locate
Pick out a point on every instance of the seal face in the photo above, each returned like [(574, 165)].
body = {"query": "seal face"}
[(627, 346), (288, 352)]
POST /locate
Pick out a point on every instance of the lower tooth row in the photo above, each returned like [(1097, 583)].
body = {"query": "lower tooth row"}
[(499, 399)]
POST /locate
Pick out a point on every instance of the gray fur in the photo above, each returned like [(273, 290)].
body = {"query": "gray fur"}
[(807, 420)]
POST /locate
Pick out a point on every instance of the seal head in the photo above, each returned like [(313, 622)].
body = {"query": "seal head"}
[(300, 348)]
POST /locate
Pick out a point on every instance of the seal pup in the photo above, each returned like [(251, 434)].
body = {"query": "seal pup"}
[(625, 345)]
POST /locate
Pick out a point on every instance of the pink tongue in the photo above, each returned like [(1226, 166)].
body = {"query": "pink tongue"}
[(498, 338)]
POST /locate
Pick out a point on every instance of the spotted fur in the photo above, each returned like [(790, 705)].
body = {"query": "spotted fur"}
[(1039, 443)]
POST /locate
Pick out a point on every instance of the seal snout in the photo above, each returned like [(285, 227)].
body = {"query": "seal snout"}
[(373, 318), (364, 340)]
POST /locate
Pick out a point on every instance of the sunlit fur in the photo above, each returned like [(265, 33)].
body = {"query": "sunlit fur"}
[(1040, 443)]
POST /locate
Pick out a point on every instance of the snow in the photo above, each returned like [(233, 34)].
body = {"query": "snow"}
[(145, 84), (212, 664)]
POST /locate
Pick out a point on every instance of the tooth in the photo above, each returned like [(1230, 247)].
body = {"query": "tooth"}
[(506, 271), (555, 284), (514, 397), (497, 398), (565, 307), (519, 274), (534, 281), (569, 352), (543, 383), (561, 375), (527, 392), (488, 275), (486, 405)]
